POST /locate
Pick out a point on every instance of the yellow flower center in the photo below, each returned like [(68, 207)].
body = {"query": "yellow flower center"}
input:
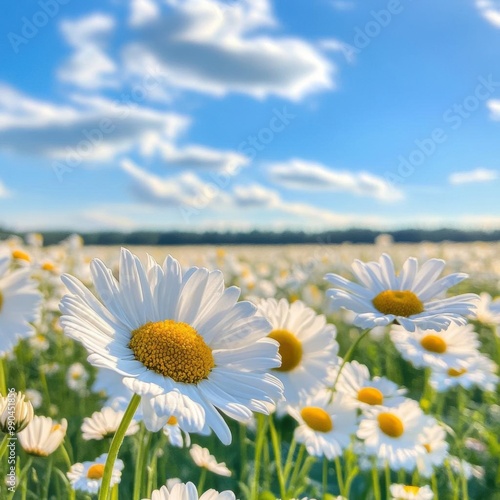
[(427, 447), (20, 255), (411, 489), (172, 421), (370, 396), (390, 425), (48, 266), (452, 372), (433, 343), (317, 418), (290, 349), (398, 302), (96, 471), (173, 349)]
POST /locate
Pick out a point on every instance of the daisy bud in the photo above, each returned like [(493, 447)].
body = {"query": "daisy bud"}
[(15, 412)]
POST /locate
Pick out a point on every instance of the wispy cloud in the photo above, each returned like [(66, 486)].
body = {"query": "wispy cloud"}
[(471, 176), (490, 10), (4, 192), (303, 174)]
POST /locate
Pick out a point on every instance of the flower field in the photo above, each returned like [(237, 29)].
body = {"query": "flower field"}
[(325, 371)]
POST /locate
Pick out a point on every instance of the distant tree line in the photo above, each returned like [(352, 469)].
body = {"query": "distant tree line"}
[(354, 235)]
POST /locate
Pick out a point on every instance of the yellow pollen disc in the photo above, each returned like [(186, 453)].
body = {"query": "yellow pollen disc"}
[(370, 396), (398, 302), (317, 419), (452, 372), (390, 425), (48, 266), (290, 349), (433, 343), (411, 489), (20, 255), (55, 427), (427, 448), (173, 349), (96, 471), (172, 421)]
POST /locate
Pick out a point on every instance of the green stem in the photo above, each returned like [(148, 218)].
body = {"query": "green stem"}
[(259, 444), (48, 474), (338, 471), (298, 464), (325, 478), (348, 357), (116, 444), (3, 378), (139, 463), (289, 459), (387, 479), (435, 488), (3, 445), (277, 455), (376, 484), (23, 479), (243, 452), (201, 482), (349, 481)]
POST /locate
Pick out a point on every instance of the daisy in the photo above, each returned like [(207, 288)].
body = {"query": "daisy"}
[(306, 344), (404, 492), (42, 436), (165, 331), (433, 439), (34, 397), (87, 476), (188, 491), (19, 305), (15, 412), (104, 424), (436, 349), (173, 432), (392, 434), (362, 391), (76, 377), (488, 310), (411, 297), (202, 458), (479, 371), (325, 426)]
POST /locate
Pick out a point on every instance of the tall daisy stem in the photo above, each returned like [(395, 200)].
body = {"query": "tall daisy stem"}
[(116, 444), (376, 483), (348, 356), (277, 455), (325, 478), (259, 445), (3, 381), (139, 464)]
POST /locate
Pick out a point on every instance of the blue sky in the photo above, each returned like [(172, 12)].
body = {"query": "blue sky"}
[(205, 114)]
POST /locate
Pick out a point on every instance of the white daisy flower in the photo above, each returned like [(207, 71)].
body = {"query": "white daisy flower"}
[(15, 412), (476, 371), (34, 397), (19, 305), (307, 345), (104, 424), (392, 434), (76, 377), (405, 492), (362, 391), (87, 476), (488, 310), (460, 466), (173, 432), (436, 349), (188, 491), (202, 458), (325, 425), (169, 332), (433, 439), (411, 297), (42, 436)]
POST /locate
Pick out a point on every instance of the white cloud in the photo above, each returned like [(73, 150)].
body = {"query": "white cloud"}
[(99, 219), (301, 174), (494, 107), (89, 66), (99, 128), (342, 5), (490, 10), (476, 175), (142, 11), (4, 192), (212, 47), (255, 196)]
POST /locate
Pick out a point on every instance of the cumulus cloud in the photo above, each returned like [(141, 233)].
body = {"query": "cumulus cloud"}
[(99, 127), (302, 174), (494, 107), (212, 47), (142, 11), (89, 66), (490, 10), (4, 192), (476, 175)]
